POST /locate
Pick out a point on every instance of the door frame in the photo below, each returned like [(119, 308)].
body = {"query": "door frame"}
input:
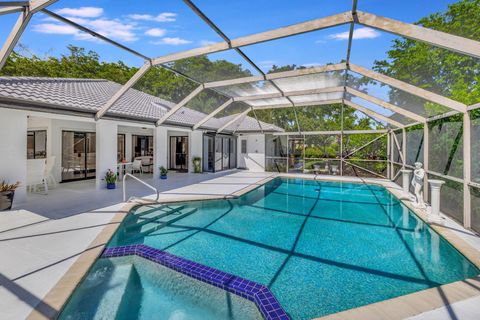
[(85, 177), (187, 153)]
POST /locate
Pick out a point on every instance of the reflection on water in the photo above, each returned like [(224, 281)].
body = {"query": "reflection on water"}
[(321, 247)]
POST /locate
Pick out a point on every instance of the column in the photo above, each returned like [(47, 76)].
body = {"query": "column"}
[(128, 147), (425, 160), (106, 150), (467, 170), (406, 182), (160, 150), (13, 150), (434, 214), (195, 148), (389, 163), (404, 147)]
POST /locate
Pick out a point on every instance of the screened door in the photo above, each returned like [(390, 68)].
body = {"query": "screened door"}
[(295, 154), (208, 153)]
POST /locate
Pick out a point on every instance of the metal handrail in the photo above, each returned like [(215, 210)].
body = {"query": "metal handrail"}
[(139, 180)]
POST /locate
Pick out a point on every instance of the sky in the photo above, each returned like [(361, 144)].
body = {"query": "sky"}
[(159, 27)]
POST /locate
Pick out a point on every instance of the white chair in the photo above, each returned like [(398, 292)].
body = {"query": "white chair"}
[(36, 174), (146, 162), (49, 171), (137, 166)]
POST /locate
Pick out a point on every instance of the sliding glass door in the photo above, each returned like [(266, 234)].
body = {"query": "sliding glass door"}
[(179, 153), (219, 152), (142, 146), (208, 153), (78, 155)]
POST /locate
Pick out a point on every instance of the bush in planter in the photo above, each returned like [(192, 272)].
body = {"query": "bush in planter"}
[(163, 172), (197, 164), (7, 192), (110, 179)]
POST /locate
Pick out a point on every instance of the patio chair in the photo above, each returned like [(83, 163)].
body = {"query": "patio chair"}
[(49, 171), (147, 162), (137, 166), (36, 175)]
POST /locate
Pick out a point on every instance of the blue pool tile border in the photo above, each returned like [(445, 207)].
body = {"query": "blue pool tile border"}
[(264, 299)]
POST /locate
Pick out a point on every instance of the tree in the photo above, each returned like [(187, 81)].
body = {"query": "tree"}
[(439, 70), (77, 63)]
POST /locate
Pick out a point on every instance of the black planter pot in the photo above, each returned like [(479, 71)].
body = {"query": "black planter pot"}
[(6, 200)]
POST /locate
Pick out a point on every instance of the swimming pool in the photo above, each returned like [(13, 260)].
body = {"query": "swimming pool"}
[(320, 247), (134, 288)]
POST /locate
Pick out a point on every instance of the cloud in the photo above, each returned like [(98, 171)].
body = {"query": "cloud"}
[(52, 28), (162, 17), (171, 41), (113, 29), (83, 12), (360, 33), (156, 32), (311, 64), (266, 64), (205, 43)]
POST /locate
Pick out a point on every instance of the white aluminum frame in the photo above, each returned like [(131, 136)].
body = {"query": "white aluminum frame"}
[(353, 17)]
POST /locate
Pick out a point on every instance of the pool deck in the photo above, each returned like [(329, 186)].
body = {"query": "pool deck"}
[(43, 239), (50, 244)]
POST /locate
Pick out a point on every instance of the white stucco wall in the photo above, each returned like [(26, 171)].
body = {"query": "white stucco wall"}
[(196, 148), (160, 146), (13, 150), (254, 159), (106, 149)]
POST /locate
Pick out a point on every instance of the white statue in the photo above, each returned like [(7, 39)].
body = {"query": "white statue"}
[(417, 183)]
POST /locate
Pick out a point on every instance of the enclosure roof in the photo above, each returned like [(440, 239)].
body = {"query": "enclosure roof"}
[(292, 88), (88, 95)]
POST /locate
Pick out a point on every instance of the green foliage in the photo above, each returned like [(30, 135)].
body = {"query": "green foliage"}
[(435, 69), (197, 162), (163, 171), (77, 63), (110, 177), (5, 186)]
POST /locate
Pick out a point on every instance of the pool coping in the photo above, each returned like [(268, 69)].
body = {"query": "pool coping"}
[(263, 298), (424, 300)]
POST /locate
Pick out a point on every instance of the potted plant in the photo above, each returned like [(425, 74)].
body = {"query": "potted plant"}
[(197, 164), (163, 172), (7, 191), (110, 179)]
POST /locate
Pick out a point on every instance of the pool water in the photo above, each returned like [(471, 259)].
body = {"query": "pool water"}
[(135, 288), (321, 247)]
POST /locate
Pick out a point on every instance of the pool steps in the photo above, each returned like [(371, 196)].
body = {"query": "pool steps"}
[(108, 302), (159, 224), (138, 225), (146, 217), (266, 302)]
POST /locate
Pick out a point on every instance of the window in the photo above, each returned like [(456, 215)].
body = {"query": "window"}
[(37, 144), (244, 146)]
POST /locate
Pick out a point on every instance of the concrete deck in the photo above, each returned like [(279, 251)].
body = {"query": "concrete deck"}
[(50, 234), (42, 239)]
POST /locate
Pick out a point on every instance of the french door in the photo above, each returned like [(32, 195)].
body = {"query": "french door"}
[(78, 155), (179, 153)]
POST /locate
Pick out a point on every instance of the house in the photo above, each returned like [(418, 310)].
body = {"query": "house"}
[(55, 117)]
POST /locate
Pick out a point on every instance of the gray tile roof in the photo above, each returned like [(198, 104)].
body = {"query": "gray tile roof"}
[(89, 95)]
